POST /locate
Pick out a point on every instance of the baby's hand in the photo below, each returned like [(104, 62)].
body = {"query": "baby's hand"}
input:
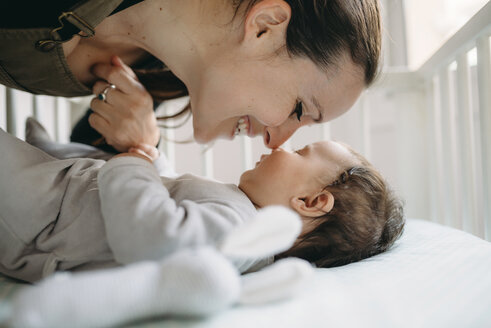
[(152, 153), (143, 151)]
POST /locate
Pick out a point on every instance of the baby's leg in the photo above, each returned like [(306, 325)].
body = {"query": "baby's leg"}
[(32, 183), (188, 283), (32, 186)]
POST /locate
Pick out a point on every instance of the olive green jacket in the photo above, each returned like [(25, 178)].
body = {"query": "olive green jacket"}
[(33, 60)]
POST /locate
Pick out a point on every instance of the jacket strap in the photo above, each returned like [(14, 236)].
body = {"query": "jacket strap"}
[(83, 17)]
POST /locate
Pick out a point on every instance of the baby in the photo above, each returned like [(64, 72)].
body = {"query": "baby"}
[(348, 211), (78, 214)]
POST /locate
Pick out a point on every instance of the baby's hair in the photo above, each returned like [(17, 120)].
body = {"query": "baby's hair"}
[(367, 218)]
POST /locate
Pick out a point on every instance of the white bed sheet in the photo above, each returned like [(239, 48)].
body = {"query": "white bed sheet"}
[(435, 276)]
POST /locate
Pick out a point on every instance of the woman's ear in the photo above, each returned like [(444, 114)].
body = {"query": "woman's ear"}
[(315, 205), (267, 19)]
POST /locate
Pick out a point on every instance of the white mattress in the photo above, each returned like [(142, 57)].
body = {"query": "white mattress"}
[(434, 277)]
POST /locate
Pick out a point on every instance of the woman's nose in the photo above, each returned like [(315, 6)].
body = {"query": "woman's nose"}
[(276, 136)]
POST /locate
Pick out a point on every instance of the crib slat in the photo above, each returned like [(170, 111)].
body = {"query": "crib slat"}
[(3, 107), (10, 111), (167, 141), (432, 181), (365, 127), (446, 139), (436, 155), (326, 131), (467, 147), (207, 161), (246, 147), (455, 152), (35, 107), (484, 86), (63, 110), (167, 145)]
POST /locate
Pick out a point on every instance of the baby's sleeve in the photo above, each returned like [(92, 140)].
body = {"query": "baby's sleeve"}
[(143, 222)]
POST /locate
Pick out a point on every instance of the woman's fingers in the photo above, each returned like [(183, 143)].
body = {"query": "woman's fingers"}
[(118, 76), (116, 61), (100, 107), (127, 120), (99, 123), (112, 95), (126, 109), (99, 86)]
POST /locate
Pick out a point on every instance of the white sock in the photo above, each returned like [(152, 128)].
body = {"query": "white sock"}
[(273, 230), (281, 280), (189, 283)]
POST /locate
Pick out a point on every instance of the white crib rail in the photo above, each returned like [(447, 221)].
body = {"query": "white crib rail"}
[(428, 131), (53, 112), (464, 141), (457, 85)]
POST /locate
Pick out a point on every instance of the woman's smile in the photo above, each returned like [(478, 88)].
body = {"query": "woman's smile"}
[(243, 127)]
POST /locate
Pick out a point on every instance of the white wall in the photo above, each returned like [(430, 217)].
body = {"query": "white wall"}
[(431, 22)]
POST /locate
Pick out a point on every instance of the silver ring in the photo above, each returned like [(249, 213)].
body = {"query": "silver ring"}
[(103, 95)]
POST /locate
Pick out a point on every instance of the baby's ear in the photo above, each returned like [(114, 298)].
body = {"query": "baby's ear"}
[(313, 205)]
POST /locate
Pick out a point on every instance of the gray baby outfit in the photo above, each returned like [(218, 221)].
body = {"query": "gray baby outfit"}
[(78, 214)]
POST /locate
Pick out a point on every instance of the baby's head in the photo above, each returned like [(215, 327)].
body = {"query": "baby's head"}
[(348, 211)]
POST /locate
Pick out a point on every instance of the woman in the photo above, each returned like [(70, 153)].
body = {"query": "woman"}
[(272, 65)]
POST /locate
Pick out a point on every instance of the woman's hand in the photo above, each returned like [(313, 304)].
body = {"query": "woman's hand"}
[(126, 117)]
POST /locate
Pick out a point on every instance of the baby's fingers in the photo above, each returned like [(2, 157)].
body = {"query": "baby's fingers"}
[(149, 150), (138, 151)]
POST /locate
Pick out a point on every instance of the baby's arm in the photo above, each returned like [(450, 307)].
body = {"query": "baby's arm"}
[(143, 222)]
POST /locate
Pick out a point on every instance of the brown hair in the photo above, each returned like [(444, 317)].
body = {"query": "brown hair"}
[(320, 30), (367, 218)]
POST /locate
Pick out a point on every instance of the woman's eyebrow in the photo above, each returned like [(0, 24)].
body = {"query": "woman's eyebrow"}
[(319, 108)]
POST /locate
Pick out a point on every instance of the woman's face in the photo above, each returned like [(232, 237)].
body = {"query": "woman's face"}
[(264, 95)]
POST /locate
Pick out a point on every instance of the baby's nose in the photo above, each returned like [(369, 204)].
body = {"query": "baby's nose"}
[(276, 136)]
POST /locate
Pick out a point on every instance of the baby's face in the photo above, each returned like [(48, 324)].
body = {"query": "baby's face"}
[(282, 175)]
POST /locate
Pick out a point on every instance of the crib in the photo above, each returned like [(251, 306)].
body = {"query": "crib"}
[(427, 131)]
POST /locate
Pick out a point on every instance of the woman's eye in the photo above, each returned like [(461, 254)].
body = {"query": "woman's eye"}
[(298, 110)]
